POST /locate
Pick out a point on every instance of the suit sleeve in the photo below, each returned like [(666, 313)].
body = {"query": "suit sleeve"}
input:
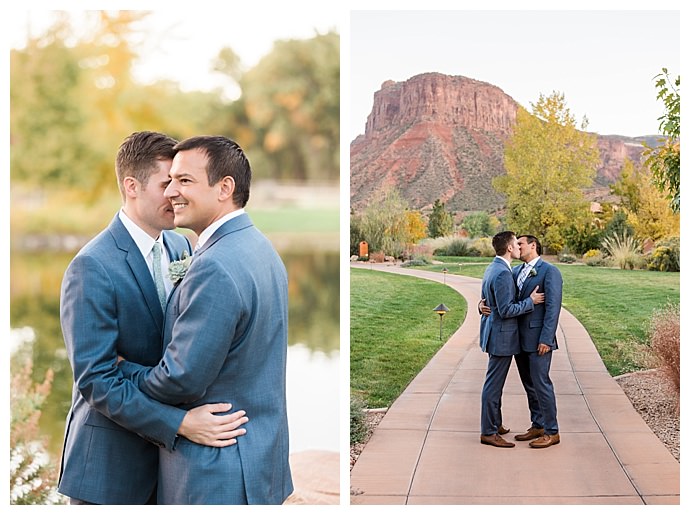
[(553, 297), (504, 291), (88, 315), (210, 310)]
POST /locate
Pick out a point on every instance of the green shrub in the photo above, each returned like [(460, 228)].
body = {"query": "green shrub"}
[(666, 256), (594, 258), (565, 257), (580, 238), (483, 247), (415, 262), (358, 424), (618, 225), (457, 247)]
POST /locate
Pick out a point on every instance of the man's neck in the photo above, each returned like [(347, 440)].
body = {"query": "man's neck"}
[(154, 233), (213, 226)]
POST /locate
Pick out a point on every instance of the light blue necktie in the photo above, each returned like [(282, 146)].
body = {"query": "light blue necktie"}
[(158, 275), (522, 276)]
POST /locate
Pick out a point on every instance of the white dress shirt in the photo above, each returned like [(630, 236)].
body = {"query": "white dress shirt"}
[(504, 260), (208, 232), (144, 243)]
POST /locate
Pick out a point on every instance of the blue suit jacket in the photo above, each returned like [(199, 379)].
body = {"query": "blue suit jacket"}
[(226, 341), (109, 306), (498, 332), (540, 325)]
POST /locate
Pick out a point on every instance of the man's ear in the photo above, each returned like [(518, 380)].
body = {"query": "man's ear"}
[(227, 188), (131, 187)]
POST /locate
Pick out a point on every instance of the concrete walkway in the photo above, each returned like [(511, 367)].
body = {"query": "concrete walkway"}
[(426, 449)]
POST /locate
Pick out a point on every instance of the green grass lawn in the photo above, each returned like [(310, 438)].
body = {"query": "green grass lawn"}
[(77, 216), (615, 306), (296, 220), (394, 331)]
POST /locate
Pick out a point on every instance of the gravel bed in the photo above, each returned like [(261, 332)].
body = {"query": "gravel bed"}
[(649, 391), (653, 396)]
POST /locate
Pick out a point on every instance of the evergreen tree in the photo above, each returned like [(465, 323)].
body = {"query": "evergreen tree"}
[(440, 220)]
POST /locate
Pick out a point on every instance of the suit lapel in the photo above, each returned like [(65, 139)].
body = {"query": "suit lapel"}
[(174, 253), (235, 224), (140, 271), (527, 285)]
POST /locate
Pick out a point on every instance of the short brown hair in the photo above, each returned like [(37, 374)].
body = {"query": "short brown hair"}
[(532, 239), (225, 158), (501, 241), (139, 154)]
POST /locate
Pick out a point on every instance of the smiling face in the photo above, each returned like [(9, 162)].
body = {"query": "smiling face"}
[(196, 205), (146, 204)]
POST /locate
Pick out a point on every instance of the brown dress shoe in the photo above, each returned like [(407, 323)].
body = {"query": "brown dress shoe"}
[(545, 441), (495, 440), (531, 434), (503, 430)]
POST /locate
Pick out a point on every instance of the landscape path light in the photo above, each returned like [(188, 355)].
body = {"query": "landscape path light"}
[(441, 309)]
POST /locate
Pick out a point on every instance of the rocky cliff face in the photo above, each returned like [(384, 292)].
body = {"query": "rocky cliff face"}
[(436, 136), (613, 151), (442, 99)]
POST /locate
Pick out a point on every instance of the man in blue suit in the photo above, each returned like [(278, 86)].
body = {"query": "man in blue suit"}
[(110, 306), (225, 335), (498, 332), (537, 330)]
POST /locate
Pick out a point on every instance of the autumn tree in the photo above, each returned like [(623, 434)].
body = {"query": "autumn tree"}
[(48, 142), (664, 160), (416, 226), (627, 187), (73, 104), (74, 99), (648, 211), (440, 220), (548, 162), (291, 101)]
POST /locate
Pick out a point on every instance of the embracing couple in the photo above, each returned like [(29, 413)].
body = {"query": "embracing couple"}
[(520, 308), (160, 359)]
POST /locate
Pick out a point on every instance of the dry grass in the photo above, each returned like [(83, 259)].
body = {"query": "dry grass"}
[(664, 336)]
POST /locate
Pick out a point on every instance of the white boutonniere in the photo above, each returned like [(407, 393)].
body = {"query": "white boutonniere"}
[(532, 273), (178, 269)]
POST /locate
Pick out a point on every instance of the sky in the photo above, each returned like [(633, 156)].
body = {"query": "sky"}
[(180, 44), (604, 62)]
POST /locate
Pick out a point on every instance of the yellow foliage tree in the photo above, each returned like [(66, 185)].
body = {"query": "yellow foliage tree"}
[(648, 209), (548, 162), (416, 226)]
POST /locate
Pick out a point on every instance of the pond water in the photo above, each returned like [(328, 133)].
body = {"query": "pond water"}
[(313, 352)]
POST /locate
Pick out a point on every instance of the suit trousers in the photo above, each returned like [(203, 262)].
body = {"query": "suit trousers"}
[(522, 362), (74, 501), (496, 373), (539, 367)]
